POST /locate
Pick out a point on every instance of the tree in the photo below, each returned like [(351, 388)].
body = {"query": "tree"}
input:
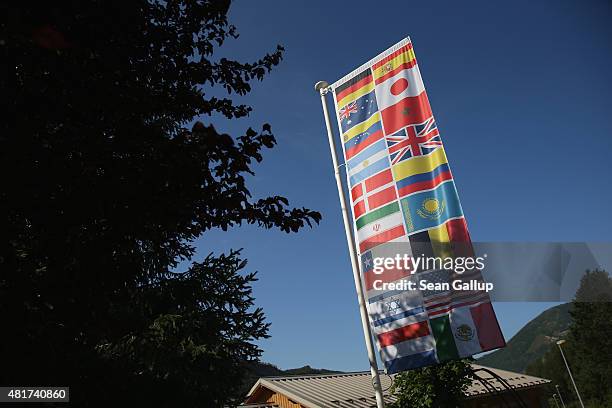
[(590, 338), (440, 386), (589, 341), (104, 190), (552, 367)]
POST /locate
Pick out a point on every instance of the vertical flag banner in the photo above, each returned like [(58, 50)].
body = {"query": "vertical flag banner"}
[(403, 194)]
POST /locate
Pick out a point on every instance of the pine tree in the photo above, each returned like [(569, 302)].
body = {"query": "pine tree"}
[(104, 189), (590, 338), (588, 347)]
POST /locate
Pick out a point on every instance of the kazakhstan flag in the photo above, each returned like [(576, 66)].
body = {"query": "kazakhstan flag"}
[(429, 209)]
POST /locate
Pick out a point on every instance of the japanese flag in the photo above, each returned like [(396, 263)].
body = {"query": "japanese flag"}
[(406, 83)]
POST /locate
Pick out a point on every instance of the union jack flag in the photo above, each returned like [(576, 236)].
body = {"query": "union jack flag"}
[(345, 112), (416, 140)]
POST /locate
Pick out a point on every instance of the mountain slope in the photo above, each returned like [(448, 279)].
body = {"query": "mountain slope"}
[(308, 370), (257, 369), (532, 341)]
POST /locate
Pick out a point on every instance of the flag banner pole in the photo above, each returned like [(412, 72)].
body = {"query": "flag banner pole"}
[(323, 87), (410, 233)]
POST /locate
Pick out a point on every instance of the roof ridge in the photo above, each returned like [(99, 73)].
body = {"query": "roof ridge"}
[(342, 374), (359, 373)]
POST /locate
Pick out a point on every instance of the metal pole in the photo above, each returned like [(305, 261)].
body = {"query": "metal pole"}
[(559, 343), (555, 398), (559, 394), (323, 87)]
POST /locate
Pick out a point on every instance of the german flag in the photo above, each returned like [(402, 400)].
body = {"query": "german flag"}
[(355, 87)]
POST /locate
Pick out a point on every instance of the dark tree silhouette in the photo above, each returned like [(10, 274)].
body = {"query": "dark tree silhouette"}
[(589, 341), (590, 338), (104, 190)]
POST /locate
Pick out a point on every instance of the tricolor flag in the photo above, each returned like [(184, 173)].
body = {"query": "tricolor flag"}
[(403, 198), (369, 162), (362, 140)]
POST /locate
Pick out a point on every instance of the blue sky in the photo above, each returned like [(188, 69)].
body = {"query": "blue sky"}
[(521, 94)]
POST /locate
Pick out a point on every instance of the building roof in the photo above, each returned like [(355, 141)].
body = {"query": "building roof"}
[(515, 380), (264, 405), (354, 390)]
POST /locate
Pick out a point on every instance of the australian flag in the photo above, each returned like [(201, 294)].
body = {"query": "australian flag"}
[(357, 111), (416, 140)]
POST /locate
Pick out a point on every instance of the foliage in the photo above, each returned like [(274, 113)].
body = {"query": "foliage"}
[(551, 367), (104, 190), (439, 386), (590, 336), (587, 348)]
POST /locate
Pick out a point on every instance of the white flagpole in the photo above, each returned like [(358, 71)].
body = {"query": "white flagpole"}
[(559, 343), (323, 87)]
